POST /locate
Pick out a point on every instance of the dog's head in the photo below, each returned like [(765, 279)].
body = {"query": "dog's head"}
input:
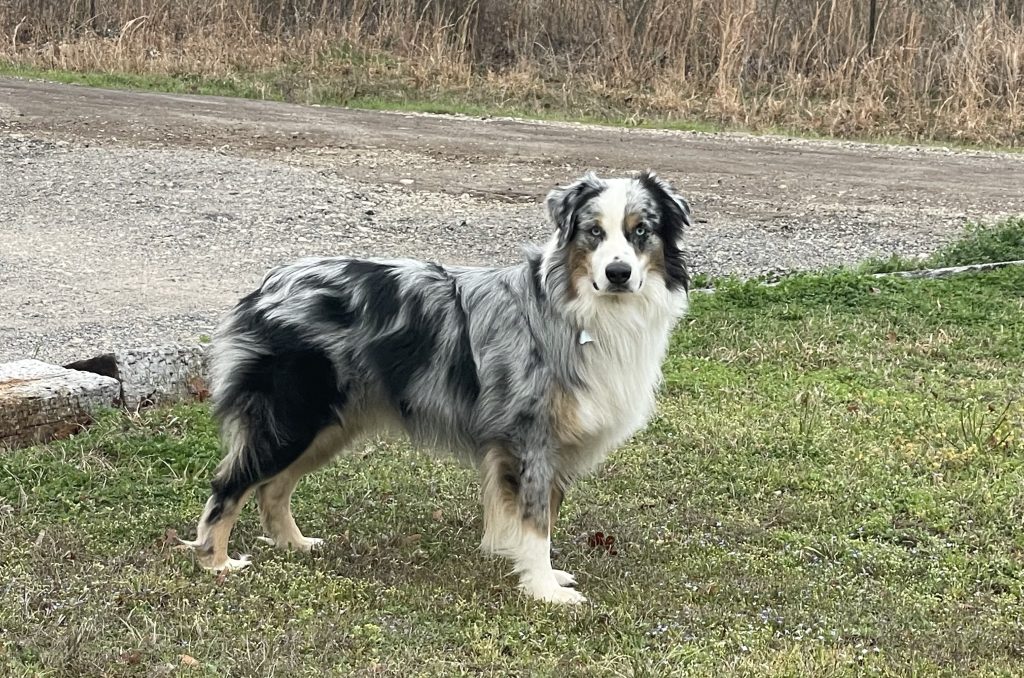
[(616, 234)]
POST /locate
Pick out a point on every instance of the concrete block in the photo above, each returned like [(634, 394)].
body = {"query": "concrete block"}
[(39, 401), (153, 376), (162, 375)]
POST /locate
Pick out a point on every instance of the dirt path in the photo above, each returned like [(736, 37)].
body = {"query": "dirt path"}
[(137, 217)]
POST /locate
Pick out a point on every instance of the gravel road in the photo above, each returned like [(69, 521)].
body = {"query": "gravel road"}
[(132, 219)]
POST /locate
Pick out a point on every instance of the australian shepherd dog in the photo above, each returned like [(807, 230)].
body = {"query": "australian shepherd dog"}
[(531, 373)]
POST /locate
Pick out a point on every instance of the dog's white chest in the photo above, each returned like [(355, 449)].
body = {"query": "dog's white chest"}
[(622, 370)]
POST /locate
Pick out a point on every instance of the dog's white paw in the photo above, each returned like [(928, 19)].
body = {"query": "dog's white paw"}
[(564, 578), (299, 543), (308, 543), (550, 591), (232, 564)]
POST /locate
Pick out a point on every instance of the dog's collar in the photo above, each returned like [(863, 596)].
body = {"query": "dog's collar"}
[(585, 337)]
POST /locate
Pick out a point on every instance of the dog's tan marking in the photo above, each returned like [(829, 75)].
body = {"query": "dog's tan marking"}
[(502, 525), (579, 269), (565, 418), (653, 260), (557, 496)]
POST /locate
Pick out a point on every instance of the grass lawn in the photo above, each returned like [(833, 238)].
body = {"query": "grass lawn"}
[(833, 485)]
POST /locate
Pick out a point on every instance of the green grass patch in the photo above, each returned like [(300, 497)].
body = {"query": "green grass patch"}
[(982, 243), (832, 485), (176, 84)]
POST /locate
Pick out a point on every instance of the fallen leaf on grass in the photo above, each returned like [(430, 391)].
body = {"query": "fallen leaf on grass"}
[(197, 387), (599, 540), (171, 537), (132, 657), (189, 660)]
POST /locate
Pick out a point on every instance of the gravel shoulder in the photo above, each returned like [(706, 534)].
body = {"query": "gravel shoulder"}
[(132, 218)]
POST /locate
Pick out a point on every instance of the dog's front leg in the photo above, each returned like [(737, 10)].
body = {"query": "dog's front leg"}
[(518, 497), (533, 557), (557, 495)]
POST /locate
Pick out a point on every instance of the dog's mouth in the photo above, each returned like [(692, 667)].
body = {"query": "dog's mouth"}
[(617, 288)]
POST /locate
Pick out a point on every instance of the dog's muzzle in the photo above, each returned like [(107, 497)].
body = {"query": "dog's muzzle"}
[(618, 274)]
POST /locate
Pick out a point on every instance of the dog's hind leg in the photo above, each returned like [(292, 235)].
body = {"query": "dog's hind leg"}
[(272, 414), (274, 500), (215, 525), (274, 496), (232, 487), (236, 478)]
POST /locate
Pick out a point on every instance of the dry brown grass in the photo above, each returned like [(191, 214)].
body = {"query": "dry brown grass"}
[(937, 69)]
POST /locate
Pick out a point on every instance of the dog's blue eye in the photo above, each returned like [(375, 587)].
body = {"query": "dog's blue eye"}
[(640, 231), (596, 231)]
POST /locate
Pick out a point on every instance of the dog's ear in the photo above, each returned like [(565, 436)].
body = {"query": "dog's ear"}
[(672, 204), (675, 217), (564, 204)]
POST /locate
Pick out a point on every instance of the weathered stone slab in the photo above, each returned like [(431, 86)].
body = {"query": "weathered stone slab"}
[(39, 401)]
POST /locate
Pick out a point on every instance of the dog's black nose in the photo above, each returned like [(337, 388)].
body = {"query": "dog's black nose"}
[(618, 272)]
